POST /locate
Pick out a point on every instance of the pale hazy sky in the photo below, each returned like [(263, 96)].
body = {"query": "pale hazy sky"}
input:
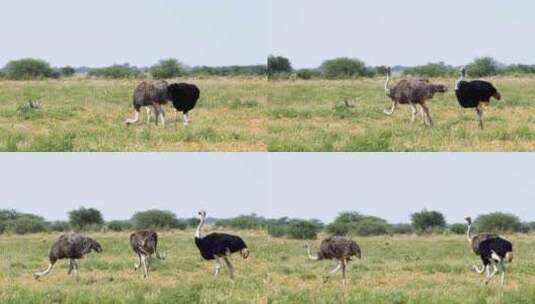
[(297, 185), (408, 32), (101, 32)]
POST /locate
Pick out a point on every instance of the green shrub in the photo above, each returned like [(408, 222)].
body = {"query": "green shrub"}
[(2, 227), (116, 71), (307, 74), (358, 224), (67, 71), (277, 230), (498, 222), (458, 228), (167, 68), (431, 70), (402, 228), (119, 225), (251, 221), (428, 221), (157, 219), (59, 226), (86, 219), (28, 68), (483, 67), (278, 65), (27, 224), (343, 68), (303, 230)]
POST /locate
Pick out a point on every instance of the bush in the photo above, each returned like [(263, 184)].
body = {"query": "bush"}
[(356, 223), (28, 68), (402, 228), (156, 219), (116, 71), (303, 230), (431, 70), (343, 68), (119, 225), (458, 228), (277, 65), (59, 226), (28, 224), (428, 221), (371, 226), (167, 68), (482, 67), (85, 218), (2, 227), (498, 222), (67, 71), (307, 74), (277, 230)]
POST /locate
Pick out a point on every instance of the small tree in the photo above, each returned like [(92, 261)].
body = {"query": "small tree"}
[(28, 224), (498, 222), (343, 68), (59, 226), (482, 67), (458, 228), (85, 218), (278, 64), (67, 71), (303, 230), (28, 68), (167, 68), (427, 221), (156, 219), (356, 223), (119, 225)]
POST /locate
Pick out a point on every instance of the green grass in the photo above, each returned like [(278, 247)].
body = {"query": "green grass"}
[(394, 269), (311, 116), (89, 115)]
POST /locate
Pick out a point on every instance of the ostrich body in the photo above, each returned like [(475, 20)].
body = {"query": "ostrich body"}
[(145, 244), (184, 97), (150, 93), (219, 246), (493, 251), (337, 248), (412, 92), (473, 94), (72, 246)]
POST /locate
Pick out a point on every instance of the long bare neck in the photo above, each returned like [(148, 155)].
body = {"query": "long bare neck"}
[(310, 256), (199, 228), (468, 237), (463, 74), (387, 82)]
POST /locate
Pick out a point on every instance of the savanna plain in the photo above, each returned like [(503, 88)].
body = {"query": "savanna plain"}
[(252, 114), (393, 269)]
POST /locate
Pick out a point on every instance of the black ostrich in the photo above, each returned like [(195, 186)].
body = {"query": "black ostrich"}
[(184, 97), (217, 246), (493, 251), (337, 248), (72, 246), (474, 94), (145, 244), (412, 92), (147, 94)]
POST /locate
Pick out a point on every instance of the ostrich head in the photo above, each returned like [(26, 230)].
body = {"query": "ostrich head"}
[(202, 214), (463, 71), (96, 246), (440, 88), (468, 220)]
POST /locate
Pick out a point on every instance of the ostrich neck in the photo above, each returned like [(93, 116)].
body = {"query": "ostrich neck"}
[(459, 80), (310, 256), (387, 89), (199, 228), (468, 237)]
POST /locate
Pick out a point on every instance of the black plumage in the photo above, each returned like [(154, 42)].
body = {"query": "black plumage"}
[(338, 248), (475, 93), (219, 246), (184, 97), (71, 246), (144, 243)]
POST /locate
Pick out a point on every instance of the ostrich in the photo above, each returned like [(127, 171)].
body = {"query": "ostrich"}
[(413, 92), (184, 97), (473, 94), (150, 93), (492, 249), (72, 246), (219, 246), (145, 244), (338, 248)]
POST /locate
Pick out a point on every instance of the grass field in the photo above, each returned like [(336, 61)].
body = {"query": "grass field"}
[(311, 116), (89, 115), (394, 269)]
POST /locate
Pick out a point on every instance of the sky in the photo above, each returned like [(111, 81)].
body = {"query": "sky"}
[(316, 185), (100, 32), (410, 32)]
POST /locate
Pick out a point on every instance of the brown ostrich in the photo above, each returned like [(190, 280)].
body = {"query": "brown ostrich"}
[(72, 246), (412, 92), (147, 94), (337, 248), (145, 244)]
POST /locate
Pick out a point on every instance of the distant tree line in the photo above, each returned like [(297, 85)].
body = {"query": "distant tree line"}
[(35, 69), (346, 223), (349, 68)]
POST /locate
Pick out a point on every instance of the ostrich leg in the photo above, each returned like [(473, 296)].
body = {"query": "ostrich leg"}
[(479, 111), (136, 266), (148, 112), (71, 267), (230, 268), (427, 115), (344, 264), (413, 111), (217, 266), (39, 275), (489, 277), (144, 263), (391, 111), (335, 270)]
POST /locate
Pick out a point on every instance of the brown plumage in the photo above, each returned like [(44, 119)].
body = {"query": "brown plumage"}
[(72, 246), (338, 248), (412, 92), (150, 93), (145, 244)]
